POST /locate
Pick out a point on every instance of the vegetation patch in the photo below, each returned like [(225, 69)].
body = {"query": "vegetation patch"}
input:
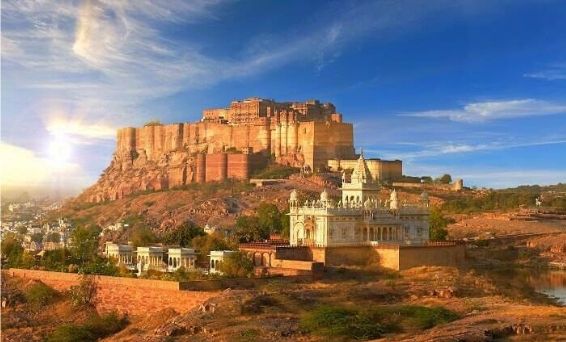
[(257, 304), (39, 294), (334, 321), (95, 328), (275, 171)]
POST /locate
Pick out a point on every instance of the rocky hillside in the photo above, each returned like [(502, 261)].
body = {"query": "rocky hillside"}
[(216, 204)]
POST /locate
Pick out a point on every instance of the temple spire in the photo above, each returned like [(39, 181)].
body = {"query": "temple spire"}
[(361, 174)]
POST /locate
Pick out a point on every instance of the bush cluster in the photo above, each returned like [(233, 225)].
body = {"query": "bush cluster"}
[(95, 328), (40, 294), (370, 323)]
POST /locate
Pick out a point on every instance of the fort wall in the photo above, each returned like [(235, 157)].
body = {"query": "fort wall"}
[(125, 295), (156, 156), (380, 170)]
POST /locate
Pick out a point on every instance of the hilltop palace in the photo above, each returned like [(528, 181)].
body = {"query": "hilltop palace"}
[(359, 218)]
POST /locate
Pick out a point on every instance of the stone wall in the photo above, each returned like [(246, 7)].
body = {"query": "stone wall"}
[(158, 157), (344, 255), (125, 295), (390, 256), (413, 256), (380, 170)]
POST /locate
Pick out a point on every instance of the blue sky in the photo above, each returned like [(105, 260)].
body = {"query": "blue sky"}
[(472, 88)]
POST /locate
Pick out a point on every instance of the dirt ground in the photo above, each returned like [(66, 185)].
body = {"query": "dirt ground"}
[(273, 313), (487, 225)]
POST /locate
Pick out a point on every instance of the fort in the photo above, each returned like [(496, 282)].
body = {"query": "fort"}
[(227, 143)]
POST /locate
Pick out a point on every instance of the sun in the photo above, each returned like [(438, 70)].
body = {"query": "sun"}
[(60, 148)]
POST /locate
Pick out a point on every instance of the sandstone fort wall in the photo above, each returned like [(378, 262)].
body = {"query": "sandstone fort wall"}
[(125, 295), (380, 170)]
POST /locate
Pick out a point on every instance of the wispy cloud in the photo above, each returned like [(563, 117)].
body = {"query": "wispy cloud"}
[(494, 110), (551, 73), (435, 149), (107, 57)]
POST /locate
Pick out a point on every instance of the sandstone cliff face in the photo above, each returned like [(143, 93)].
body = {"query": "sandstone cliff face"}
[(157, 157)]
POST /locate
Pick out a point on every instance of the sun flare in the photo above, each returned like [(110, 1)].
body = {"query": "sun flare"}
[(60, 149)]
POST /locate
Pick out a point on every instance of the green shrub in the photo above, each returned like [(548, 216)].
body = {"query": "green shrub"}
[(237, 264), (438, 225), (373, 322), (106, 325), (40, 294), (84, 293), (71, 333), (95, 328), (275, 171), (336, 321), (422, 317)]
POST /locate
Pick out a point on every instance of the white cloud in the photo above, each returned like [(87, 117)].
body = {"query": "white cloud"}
[(76, 127), (23, 168), (551, 73), (495, 110)]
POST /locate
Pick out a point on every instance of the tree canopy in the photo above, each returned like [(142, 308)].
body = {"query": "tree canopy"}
[(438, 225), (237, 264)]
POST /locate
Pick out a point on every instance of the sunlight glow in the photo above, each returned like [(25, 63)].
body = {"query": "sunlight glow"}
[(60, 149)]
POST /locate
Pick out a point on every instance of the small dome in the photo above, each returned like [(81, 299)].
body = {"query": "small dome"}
[(324, 196), (293, 196)]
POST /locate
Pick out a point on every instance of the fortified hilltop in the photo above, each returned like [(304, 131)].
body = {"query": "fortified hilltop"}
[(229, 142)]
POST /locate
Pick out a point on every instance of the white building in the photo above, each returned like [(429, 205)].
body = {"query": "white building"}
[(150, 258), (216, 258), (181, 257), (359, 218), (122, 254)]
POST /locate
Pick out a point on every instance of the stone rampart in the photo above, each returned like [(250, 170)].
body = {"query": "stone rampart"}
[(125, 295)]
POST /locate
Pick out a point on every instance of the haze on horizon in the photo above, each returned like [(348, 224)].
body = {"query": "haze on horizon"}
[(471, 88)]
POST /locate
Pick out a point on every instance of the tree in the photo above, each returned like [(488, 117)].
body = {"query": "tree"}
[(269, 217), (249, 228), (438, 224), (84, 294), (11, 246), (237, 264), (53, 237), (12, 250), (22, 230), (37, 237), (55, 260), (184, 235), (285, 225), (210, 242), (444, 179), (85, 243), (426, 179), (141, 236)]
